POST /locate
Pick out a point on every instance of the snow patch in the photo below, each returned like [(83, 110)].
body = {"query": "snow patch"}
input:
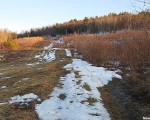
[(24, 99), (24, 79), (3, 87), (49, 51), (48, 54), (75, 101), (5, 78), (68, 53), (33, 64), (3, 103)]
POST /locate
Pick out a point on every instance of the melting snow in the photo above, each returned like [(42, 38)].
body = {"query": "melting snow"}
[(33, 64), (48, 54), (5, 78), (3, 87), (24, 79), (68, 53), (3, 103), (71, 101), (24, 99)]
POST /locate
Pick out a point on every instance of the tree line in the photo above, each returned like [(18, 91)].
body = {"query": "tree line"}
[(95, 25)]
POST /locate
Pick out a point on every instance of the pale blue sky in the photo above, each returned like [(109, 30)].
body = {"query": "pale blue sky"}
[(18, 15)]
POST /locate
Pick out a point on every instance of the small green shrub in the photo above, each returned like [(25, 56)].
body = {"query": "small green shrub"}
[(10, 44)]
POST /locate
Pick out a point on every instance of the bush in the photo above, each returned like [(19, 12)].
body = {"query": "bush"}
[(6, 35), (131, 48), (11, 45), (28, 42)]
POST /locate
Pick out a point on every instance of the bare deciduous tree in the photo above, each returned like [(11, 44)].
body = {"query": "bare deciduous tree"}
[(144, 5)]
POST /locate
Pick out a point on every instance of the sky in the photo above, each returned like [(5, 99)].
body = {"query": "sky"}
[(21, 15)]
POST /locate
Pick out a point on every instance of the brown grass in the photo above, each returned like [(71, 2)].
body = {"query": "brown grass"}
[(131, 48), (22, 43), (28, 42), (129, 98), (42, 79)]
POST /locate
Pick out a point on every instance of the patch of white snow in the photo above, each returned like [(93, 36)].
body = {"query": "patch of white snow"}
[(3, 103), (5, 78), (48, 54), (24, 79), (70, 102), (3, 87), (24, 99), (68, 53)]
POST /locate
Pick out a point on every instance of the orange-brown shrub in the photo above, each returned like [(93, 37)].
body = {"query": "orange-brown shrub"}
[(10, 45), (132, 48), (28, 42)]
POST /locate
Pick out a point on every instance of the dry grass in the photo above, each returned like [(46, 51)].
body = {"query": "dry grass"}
[(90, 101), (28, 42), (42, 79), (129, 98), (131, 48), (22, 43), (110, 103), (87, 87)]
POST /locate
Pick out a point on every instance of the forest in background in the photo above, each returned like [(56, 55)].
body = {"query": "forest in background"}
[(98, 25)]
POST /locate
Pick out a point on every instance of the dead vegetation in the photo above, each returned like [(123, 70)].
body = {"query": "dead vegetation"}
[(87, 87), (130, 48), (20, 79), (21, 43), (128, 51), (28, 42), (90, 101)]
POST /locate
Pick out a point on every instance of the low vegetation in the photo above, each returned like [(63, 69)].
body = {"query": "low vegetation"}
[(116, 41), (20, 43), (28, 42), (128, 48), (6, 38), (21, 78), (128, 51), (6, 35)]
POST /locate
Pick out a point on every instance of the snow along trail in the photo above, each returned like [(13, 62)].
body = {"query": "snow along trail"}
[(79, 98), (68, 53), (48, 54)]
